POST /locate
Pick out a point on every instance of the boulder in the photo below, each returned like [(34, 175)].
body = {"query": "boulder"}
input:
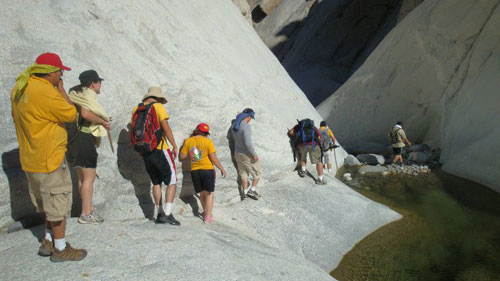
[(420, 157), (351, 160), (419, 148), (371, 159)]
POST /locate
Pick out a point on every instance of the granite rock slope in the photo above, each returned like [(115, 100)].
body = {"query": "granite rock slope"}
[(211, 64)]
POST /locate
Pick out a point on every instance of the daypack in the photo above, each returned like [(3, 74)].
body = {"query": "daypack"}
[(325, 141), (306, 132), (394, 136), (146, 132)]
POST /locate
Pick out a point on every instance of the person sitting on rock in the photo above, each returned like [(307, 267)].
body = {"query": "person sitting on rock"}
[(307, 137), (398, 137), (201, 152)]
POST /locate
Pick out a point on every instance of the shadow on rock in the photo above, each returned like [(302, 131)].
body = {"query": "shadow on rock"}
[(131, 167), (22, 210)]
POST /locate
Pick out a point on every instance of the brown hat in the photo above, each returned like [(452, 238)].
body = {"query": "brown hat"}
[(155, 92)]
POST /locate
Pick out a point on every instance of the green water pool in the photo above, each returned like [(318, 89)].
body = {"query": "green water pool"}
[(450, 230)]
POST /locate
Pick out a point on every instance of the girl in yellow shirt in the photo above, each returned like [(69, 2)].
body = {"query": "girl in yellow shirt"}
[(201, 152)]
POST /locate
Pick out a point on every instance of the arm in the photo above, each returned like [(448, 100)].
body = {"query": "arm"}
[(92, 117), (167, 131), (407, 141), (183, 152), (331, 135), (213, 158)]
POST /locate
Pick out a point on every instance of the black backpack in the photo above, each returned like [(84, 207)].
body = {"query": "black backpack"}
[(306, 132)]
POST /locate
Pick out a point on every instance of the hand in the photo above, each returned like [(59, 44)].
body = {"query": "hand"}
[(106, 125), (175, 151), (255, 158), (60, 86), (223, 173)]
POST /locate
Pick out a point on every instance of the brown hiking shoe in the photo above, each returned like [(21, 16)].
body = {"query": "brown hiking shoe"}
[(68, 254), (46, 248)]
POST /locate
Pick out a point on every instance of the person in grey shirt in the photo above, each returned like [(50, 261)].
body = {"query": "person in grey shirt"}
[(244, 153)]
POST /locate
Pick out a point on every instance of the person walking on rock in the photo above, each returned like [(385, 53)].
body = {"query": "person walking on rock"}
[(244, 153), (159, 161), (398, 138), (307, 139), (327, 141), (92, 124), (40, 106), (201, 152)]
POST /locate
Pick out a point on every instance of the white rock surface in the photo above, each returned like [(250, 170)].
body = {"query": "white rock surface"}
[(351, 160), (371, 159), (211, 64), (438, 72), (372, 169)]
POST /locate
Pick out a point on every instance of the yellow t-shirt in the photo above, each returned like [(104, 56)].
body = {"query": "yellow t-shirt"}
[(161, 114), (39, 116), (198, 148), (330, 133)]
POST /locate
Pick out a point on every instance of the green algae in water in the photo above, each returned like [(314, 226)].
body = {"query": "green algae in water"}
[(450, 230)]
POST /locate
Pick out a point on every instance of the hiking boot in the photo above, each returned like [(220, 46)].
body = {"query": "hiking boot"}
[(68, 254), (302, 173), (252, 194), (46, 248), (320, 182), (208, 219), (162, 218), (92, 218)]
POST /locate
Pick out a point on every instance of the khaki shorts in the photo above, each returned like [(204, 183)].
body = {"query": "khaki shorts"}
[(51, 193), (314, 154), (247, 167)]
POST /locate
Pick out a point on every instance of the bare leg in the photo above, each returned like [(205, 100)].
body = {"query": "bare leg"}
[(203, 198), (157, 194), (88, 176), (58, 228), (244, 184), (255, 182), (319, 169), (209, 203), (170, 193)]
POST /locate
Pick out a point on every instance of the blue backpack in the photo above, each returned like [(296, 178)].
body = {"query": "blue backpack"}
[(306, 132)]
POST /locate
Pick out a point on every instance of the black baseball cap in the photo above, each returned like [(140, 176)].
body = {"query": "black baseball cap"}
[(250, 112), (89, 76)]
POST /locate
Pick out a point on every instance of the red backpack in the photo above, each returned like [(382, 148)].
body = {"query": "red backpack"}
[(146, 132)]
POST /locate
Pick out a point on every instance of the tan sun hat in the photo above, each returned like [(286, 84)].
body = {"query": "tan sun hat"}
[(155, 92)]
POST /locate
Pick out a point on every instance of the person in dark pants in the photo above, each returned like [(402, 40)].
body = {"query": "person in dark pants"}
[(201, 152)]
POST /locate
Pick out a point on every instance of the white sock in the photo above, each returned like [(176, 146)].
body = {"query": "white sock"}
[(60, 244), (253, 188), (168, 208), (48, 234), (330, 171), (320, 177), (245, 191), (303, 168)]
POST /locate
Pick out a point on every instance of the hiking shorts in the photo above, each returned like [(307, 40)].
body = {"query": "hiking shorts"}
[(328, 157), (203, 180), (160, 167), (246, 166), (82, 152), (51, 193), (397, 150), (314, 154)]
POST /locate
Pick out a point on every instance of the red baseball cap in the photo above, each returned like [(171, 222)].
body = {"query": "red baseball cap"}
[(203, 128), (51, 59)]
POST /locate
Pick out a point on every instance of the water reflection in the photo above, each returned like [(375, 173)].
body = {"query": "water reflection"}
[(450, 231)]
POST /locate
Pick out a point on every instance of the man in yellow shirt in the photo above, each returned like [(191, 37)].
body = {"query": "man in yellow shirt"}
[(160, 163), (327, 138), (40, 106)]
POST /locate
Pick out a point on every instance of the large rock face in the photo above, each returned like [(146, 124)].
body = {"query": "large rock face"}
[(334, 39), (437, 71), (211, 64)]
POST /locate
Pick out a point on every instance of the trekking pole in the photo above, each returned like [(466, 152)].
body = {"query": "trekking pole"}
[(110, 141), (335, 156)]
